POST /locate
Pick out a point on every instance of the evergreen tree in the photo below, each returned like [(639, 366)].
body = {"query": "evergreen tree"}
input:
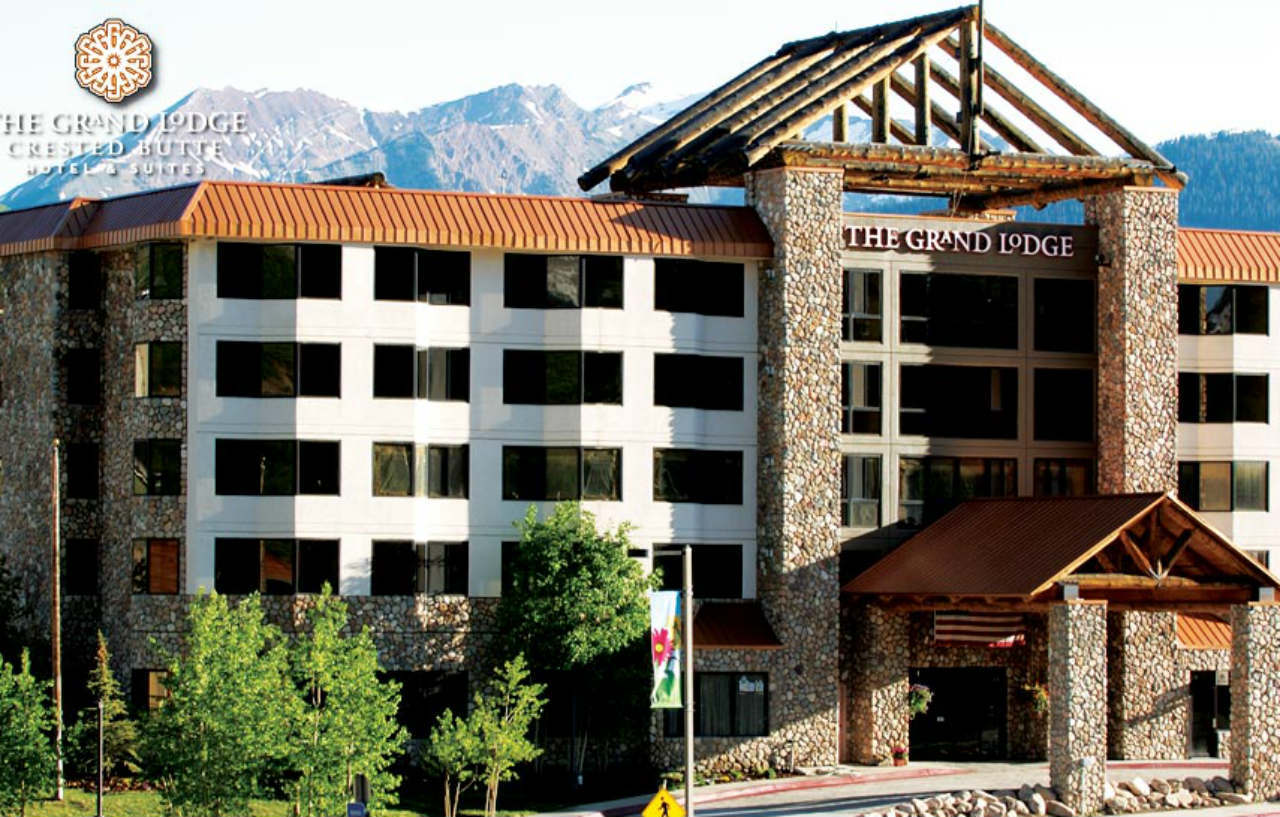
[(348, 723), (229, 713), (119, 732), (27, 762)]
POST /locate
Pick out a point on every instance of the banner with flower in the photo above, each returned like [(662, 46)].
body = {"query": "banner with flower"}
[(665, 648)]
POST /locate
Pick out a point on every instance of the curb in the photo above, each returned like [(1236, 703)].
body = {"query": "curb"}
[(773, 787)]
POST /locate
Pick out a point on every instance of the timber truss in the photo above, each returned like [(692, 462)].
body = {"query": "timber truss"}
[(756, 120)]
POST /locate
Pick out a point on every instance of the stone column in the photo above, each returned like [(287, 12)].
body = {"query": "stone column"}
[(878, 717), (1077, 702), (798, 473), (1255, 698), (1150, 702), (1137, 338)]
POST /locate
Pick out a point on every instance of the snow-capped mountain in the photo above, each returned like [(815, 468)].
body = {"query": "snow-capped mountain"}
[(513, 138)]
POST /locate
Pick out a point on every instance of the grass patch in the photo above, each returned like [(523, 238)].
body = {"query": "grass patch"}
[(80, 803)]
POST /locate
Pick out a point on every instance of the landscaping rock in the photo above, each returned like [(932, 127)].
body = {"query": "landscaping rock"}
[(1159, 785), (1037, 804), (1108, 791), (1138, 786), (1059, 809), (1220, 784), (1234, 797), (1195, 784)]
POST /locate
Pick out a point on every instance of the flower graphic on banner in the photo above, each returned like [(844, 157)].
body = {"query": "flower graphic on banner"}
[(113, 60), (661, 646), (664, 648)]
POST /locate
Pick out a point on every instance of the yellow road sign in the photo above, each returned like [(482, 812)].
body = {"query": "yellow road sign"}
[(663, 805)]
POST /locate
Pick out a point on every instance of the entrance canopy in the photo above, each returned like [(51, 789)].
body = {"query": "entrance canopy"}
[(775, 114), (1136, 551)]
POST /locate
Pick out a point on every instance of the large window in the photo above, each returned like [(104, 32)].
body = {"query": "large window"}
[(425, 695), (155, 566), (561, 378), (441, 277), (403, 469), (970, 402), (691, 475), (157, 271), (702, 287), (860, 491), (1224, 486), (1064, 477), (928, 487), (157, 369), (532, 473), (403, 568), (262, 369), (697, 381), (945, 309), (725, 704), (562, 281), (717, 569), (1064, 404), (1222, 310), (1222, 398), (84, 383), (1065, 315), (862, 312), (157, 467), (279, 271), (275, 467), (80, 569), (147, 689), (82, 470), (84, 280), (860, 398), (432, 374), (275, 566)]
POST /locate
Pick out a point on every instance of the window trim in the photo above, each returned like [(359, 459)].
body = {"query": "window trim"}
[(580, 488), (1202, 409), (847, 408), (850, 317), (295, 565), (847, 501), (298, 443), (1195, 502), (422, 575), (700, 454)]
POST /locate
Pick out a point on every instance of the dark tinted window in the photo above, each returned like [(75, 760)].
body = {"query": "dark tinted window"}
[(1064, 477), (320, 270), (969, 402), (83, 380), (447, 471), (82, 470), (433, 567), (1064, 404), (155, 566), (276, 467), (1065, 315), (861, 315), (860, 480), (394, 273), (424, 696), (158, 271), (702, 287), (275, 566), (319, 370), (447, 374), (80, 568), (860, 401), (279, 271), (430, 276), (717, 570), (725, 704), (928, 487), (1222, 398), (602, 281), (697, 381), (942, 309), (235, 566), (317, 565), (532, 473), (1222, 310), (158, 369), (394, 569), (393, 371), (84, 280), (561, 281), (157, 467), (1224, 486), (689, 475), (561, 378)]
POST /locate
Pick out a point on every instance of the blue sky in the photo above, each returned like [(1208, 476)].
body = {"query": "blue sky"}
[(1162, 68)]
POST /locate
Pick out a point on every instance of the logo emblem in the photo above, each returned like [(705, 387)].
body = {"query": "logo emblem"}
[(113, 60)]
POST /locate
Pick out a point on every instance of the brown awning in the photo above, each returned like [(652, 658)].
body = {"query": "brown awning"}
[(724, 625), (1131, 548), (1203, 631)]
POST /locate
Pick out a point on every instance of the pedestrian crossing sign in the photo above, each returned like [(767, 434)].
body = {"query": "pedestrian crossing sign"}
[(663, 805)]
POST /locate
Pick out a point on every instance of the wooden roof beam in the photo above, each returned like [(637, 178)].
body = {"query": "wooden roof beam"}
[(880, 110), (1081, 105), (1049, 194), (939, 115), (1042, 166), (1028, 107), (896, 128), (1135, 552), (1009, 131), (1179, 547), (968, 87), (924, 110)]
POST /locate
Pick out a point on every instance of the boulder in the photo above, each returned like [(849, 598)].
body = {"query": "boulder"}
[(1024, 793), (1037, 804), (1195, 784), (1155, 798), (1234, 797), (1108, 791), (1183, 798), (1057, 808), (1046, 792), (1159, 785), (1138, 786), (1220, 784)]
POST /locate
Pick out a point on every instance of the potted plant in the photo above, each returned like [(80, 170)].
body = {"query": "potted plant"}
[(918, 698), (1038, 694), (899, 755)]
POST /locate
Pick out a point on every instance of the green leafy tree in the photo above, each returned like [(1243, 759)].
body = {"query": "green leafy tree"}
[(502, 719), (229, 712), (119, 732), (26, 754), (454, 752), (577, 608), (348, 723)]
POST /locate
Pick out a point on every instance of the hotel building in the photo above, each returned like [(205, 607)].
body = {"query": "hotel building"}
[(996, 457)]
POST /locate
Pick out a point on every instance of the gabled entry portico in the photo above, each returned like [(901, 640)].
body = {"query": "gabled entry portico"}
[(1089, 569)]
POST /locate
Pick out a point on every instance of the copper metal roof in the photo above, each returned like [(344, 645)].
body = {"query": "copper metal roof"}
[(733, 626), (1001, 547), (1203, 631), (1228, 256), (301, 212)]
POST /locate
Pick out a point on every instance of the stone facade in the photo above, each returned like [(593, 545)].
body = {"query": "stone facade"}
[(1137, 338), (1255, 698), (1078, 700), (1148, 686), (878, 682)]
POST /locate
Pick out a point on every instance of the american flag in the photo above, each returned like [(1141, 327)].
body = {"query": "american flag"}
[(982, 629)]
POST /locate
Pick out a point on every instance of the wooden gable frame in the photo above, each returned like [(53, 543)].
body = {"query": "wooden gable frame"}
[(755, 121)]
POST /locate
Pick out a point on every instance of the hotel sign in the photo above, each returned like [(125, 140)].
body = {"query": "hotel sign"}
[(921, 239)]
